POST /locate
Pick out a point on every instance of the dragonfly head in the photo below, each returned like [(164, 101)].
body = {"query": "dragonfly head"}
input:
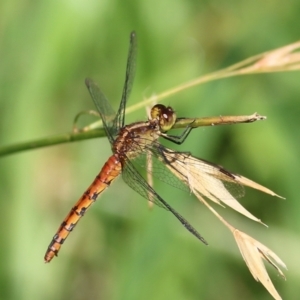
[(165, 116)]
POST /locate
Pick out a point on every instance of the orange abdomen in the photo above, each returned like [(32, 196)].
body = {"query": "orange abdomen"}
[(108, 173)]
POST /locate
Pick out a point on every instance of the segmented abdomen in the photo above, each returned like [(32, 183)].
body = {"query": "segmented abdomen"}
[(110, 171)]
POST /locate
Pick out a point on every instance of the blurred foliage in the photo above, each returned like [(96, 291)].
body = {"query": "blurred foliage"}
[(120, 250)]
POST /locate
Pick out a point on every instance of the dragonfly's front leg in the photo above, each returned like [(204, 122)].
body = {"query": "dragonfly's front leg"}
[(178, 139)]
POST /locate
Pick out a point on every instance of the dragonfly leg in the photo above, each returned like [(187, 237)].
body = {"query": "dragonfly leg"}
[(178, 139)]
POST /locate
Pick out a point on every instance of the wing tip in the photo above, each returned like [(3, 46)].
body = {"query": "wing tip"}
[(132, 34), (88, 82)]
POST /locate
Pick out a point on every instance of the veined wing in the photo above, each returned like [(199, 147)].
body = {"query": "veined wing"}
[(132, 177), (204, 179), (104, 108), (112, 122), (177, 168), (129, 77)]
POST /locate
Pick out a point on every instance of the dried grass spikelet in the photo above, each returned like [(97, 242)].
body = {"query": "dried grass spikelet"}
[(208, 181)]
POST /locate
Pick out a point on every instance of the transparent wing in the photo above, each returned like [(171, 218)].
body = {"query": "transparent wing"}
[(132, 177), (183, 171), (202, 178), (104, 108), (129, 77), (112, 122)]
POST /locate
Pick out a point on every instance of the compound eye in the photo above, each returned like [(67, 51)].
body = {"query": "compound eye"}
[(156, 111), (165, 115)]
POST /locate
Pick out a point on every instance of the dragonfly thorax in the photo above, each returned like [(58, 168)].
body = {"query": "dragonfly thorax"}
[(134, 138)]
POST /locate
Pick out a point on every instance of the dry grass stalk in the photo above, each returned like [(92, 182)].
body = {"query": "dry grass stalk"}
[(212, 182)]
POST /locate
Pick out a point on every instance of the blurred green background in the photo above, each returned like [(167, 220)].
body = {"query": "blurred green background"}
[(121, 250)]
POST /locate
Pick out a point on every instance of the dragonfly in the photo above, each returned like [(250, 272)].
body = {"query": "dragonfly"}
[(133, 144)]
